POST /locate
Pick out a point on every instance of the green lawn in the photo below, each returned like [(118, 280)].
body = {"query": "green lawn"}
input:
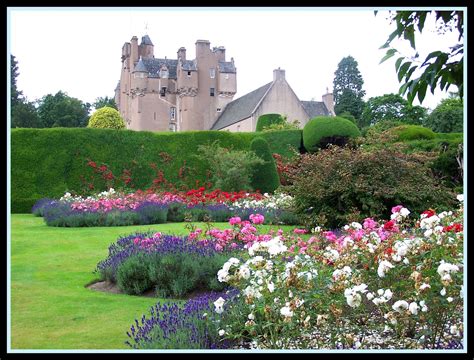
[(50, 306)]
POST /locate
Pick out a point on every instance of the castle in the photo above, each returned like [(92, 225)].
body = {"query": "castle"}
[(160, 94)]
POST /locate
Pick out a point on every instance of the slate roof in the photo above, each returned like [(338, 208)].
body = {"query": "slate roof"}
[(140, 66), (315, 108), (189, 65), (240, 108), (146, 40), (153, 67), (226, 67)]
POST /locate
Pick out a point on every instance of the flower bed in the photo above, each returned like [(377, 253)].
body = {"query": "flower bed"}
[(397, 284), (141, 208)]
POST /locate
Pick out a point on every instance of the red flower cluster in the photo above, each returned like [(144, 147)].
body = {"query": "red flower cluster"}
[(199, 196), (456, 227), (429, 213)]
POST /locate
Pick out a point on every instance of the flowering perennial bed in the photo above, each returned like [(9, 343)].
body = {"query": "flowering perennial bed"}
[(110, 208), (391, 285)]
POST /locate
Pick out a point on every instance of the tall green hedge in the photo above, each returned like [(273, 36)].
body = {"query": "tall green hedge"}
[(322, 127), (265, 176), (49, 162), (268, 119)]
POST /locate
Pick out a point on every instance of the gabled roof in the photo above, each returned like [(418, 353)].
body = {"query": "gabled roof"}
[(153, 67), (226, 67), (241, 108), (315, 108)]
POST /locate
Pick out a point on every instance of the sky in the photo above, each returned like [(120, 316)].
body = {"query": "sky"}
[(78, 50)]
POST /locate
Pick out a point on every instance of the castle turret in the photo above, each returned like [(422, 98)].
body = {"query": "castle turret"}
[(182, 54), (146, 48), (328, 100), (140, 76)]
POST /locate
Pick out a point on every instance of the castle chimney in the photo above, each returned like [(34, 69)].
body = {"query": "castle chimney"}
[(328, 100), (182, 53), (203, 47), (133, 52), (278, 74), (220, 53)]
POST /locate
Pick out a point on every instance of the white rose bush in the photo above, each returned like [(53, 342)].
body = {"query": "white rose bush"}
[(394, 284)]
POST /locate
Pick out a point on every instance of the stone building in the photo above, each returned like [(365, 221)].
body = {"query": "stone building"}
[(275, 97), (160, 94)]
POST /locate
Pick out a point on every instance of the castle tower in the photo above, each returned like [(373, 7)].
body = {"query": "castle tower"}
[(146, 48)]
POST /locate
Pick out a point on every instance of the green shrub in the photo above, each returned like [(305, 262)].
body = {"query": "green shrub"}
[(264, 176), (106, 118), (324, 129), (132, 276), (286, 143), (178, 274), (266, 120), (339, 185), (412, 132), (232, 169)]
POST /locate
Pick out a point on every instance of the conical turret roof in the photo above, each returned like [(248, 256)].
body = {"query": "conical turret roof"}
[(140, 67)]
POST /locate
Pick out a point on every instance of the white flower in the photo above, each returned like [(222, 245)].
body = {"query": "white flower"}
[(443, 292), (221, 332), (370, 296), (380, 292), (384, 266), (244, 271), (360, 288), (251, 317), (460, 197), (413, 308), (356, 225), (400, 306), (425, 286), (447, 268), (388, 294), (222, 275), (271, 287), (286, 311), (404, 212), (424, 308), (453, 330), (219, 304), (274, 246), (428, 233), (353, 300), (406, 261), (450, 299)]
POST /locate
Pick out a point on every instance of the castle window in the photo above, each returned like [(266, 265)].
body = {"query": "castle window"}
[(189, 73), (219, 109), (163, 91), (172, 113), (212, 73), (212, 92)]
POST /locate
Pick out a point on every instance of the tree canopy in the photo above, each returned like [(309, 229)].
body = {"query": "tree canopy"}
[(447, 116), (439, 68), (101, 102), (347, 88), (61, 110), (391, 107)]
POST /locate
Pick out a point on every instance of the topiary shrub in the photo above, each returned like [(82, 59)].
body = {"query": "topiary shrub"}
[(322, 130), (106, 118), (264, 176), (338, 185), (266, 120), (412, 132)]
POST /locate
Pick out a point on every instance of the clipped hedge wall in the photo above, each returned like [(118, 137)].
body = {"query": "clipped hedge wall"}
[(322, 127), (49, 162), (265, 176), (268, 119)]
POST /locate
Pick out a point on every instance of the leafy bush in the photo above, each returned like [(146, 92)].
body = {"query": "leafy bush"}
[(38, 207), (412, 132), (132, 275), (266, 120), (320, 130), (174, 266), (106, 118), (152, 213), (447, 117), (348, 184), (231, 169), (264, 176)]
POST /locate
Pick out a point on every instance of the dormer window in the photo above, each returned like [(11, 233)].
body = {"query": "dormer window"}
[(164, 73)]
